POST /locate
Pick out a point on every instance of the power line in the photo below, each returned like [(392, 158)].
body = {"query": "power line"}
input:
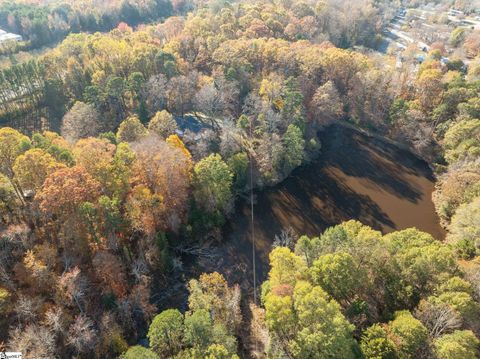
[(253, 225), (253, 234)]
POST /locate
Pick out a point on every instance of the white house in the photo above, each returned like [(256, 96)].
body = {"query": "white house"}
[(6, 36)]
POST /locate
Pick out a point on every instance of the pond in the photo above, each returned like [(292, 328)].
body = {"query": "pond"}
[(355, 177)]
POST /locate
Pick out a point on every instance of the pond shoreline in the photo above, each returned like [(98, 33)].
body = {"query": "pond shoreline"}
[(356, 176)]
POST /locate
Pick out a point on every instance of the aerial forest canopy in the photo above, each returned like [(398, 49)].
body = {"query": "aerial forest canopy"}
[(45, 22), (125, 148)]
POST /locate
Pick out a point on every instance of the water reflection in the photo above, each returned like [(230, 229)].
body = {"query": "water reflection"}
[(355, 177)]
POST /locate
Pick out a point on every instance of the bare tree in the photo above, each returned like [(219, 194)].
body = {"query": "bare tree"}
[(27, 308), (268, 157), (181, 91), (15, 239), (233, 307), (287, 238), (439, 318), (72, 287), (326, 103), (154, 92), (218, 98), (82, 335), (139, 269), (230, 95), (230, 139), (54, 319), (140, 300), (33, 341), (209, 101), (200, 144), (136, 308), (81, 121), (472, 274)]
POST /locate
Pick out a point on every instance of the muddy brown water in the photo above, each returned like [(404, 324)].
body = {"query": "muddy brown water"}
[(355, 177)]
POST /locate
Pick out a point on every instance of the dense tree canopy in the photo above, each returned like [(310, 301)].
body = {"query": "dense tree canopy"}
[(164, 125), (459, 344), (213, 185), (93, 195), (464, 228), (394, 288), (43, 22), (204, 331), (166, 332)]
